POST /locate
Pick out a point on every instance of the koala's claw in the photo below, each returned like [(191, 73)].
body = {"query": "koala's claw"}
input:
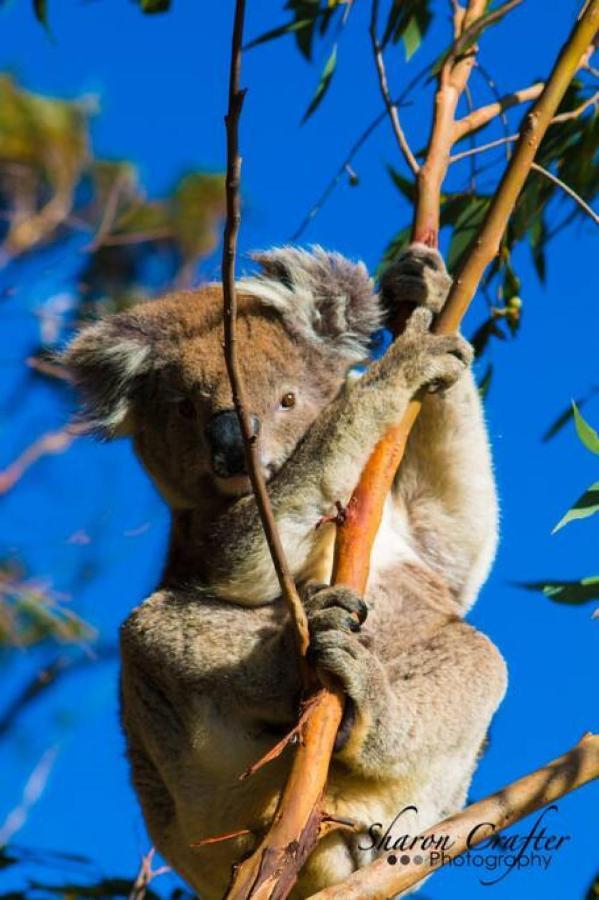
[(335, 616), (448, 357), (320, 597), (419, 277)]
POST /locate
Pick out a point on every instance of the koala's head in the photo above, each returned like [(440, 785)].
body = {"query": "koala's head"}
[(157, 372)]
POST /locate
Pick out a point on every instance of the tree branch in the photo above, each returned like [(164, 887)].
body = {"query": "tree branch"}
[(453, 77), (272, 869), (509, 805), (51, 442), (250, 439), (477, 119), (384, 86)]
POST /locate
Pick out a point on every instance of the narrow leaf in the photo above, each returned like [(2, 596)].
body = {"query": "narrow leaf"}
[(323, 84), (412, 37), (40, 8), (584, 507), (405, 185), (564, 417), (154, 6), (570, 592), (587, 435), (466, 227), (288, 28)]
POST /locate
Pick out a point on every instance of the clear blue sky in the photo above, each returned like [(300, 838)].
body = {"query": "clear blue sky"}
[(162, 83)]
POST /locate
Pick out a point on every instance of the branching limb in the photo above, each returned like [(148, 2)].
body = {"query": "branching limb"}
[(466, 829), (453, 78), (146, 874), (574, 113), (512, 138), (480, 117), (391, 107), (233, 216), (271, 871), (52, 442)]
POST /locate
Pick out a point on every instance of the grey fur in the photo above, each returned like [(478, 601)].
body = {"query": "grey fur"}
[(322, 295), (209, 675)]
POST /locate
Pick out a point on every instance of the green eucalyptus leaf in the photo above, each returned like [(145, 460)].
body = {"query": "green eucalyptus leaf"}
[(323, 85), (409, 21), (40, 8), (405, 185), (281, 31), (414, 33), (568, 413), (587, 435), (154, 6), (397, 243), (585, 506), (572, 593), (465, 230), (471, 35)]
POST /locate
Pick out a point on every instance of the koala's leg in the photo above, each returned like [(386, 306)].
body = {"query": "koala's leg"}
[(432, 703), (445, 482), (327, 463)]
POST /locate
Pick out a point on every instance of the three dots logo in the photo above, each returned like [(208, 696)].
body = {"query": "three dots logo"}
[(404, 860)]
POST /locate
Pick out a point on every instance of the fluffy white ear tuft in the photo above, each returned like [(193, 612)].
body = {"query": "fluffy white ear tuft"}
[(322, 296), (105, 362)]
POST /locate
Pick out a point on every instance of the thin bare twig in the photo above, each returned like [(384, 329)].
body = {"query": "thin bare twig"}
[(250, 439), (464, 154), (33, 790), (52, 442), (492, 85), (567, 190), (512, 138), (145, 875), (353, 151), (45, 367), (574, 113), (45, 678), (391, 107), (480, 117)]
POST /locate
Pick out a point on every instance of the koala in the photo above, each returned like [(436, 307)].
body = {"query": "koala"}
[(210, 678)]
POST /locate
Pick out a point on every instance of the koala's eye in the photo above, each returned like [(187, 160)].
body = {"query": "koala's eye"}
[(186, 409), (288, 400)]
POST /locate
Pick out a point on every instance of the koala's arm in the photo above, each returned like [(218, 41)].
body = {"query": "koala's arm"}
[(445, 482), (326, 465)]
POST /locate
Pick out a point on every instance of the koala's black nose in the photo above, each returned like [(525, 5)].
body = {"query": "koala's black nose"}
[(226, 443)]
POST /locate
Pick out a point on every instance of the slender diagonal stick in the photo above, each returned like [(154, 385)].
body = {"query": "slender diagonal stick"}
[(250, 439), (272, 868)]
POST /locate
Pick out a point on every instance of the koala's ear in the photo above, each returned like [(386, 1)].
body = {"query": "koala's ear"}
[(105, 362), (323, 296)]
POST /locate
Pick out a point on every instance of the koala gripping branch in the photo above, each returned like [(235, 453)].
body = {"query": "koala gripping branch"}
[(272, 869)]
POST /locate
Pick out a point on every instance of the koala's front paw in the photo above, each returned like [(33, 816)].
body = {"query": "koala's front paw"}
[(335, 615), (418, 277), (426, 360)]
